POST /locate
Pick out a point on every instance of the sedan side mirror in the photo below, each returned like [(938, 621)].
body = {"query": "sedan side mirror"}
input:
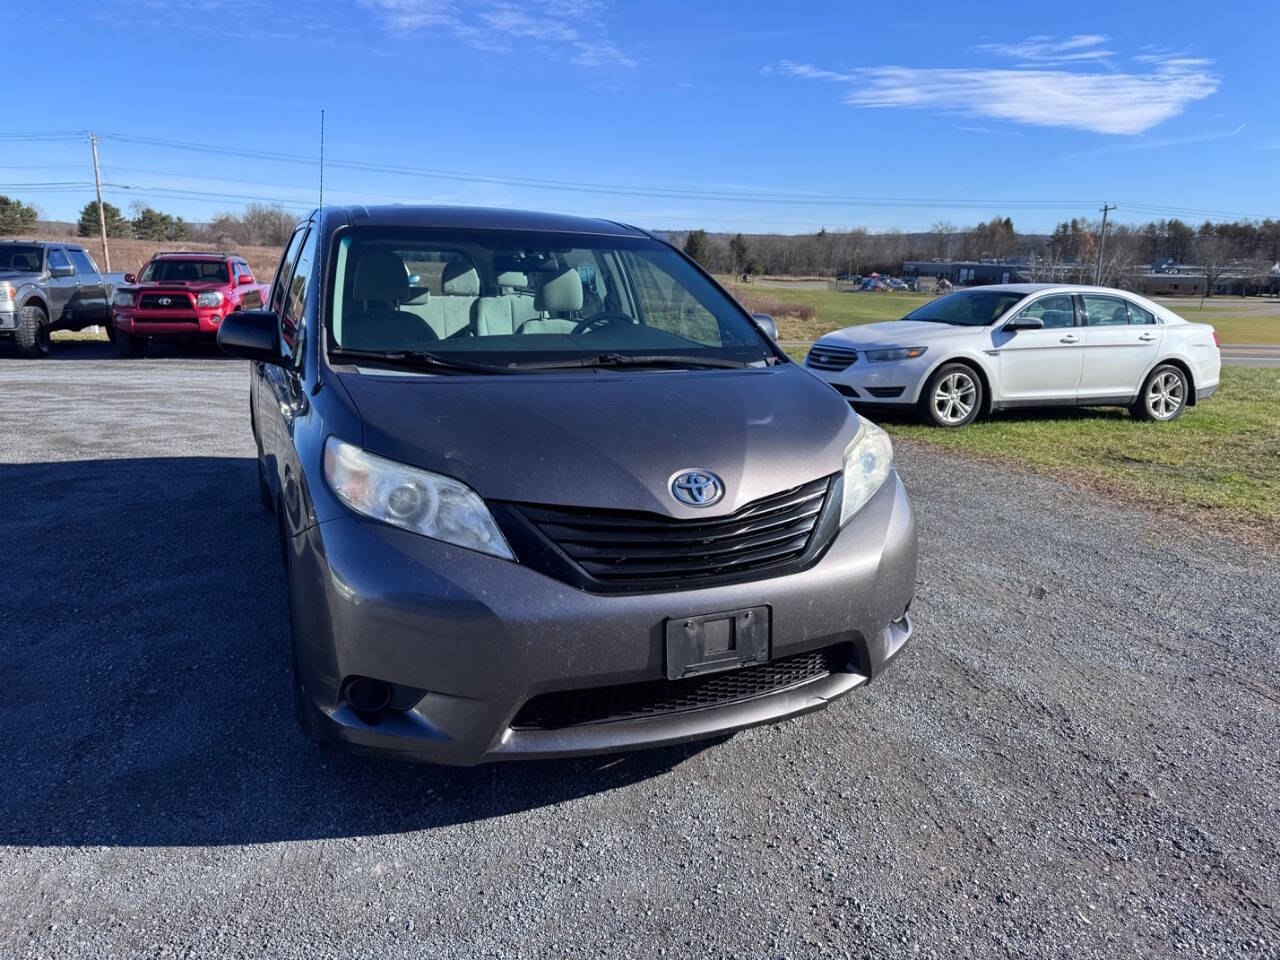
[(253, 335), (1024, 323), (767, 324), (67, 271)]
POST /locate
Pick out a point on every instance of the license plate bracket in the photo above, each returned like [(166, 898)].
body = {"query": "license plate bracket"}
[(717, 641)]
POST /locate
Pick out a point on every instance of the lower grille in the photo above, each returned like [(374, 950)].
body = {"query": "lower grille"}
[(656, 698), (835, 359)]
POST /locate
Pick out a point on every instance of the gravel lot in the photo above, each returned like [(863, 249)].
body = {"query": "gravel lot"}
[(1077, 757)]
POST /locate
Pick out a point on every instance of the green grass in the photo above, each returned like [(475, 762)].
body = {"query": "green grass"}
[(1220, 460), (1236, 320)]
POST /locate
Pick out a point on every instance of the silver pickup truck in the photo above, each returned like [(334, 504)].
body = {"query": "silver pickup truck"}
[(50, 286)]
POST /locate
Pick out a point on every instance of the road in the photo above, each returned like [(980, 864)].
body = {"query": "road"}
[(1250, 355), (1075, 758)]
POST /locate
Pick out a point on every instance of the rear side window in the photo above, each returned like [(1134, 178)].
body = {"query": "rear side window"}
[(1139, 315), (1056, 311), (1104, 311), (83, 263)]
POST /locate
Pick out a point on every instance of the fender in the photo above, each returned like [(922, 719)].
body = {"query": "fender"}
[(977, 358)]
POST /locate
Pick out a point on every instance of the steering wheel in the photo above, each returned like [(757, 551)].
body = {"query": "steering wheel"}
[(606, 318)]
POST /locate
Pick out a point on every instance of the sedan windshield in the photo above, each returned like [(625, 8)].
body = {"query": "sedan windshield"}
[(530, 301), (24, 258), (184, 271), (967, 308)]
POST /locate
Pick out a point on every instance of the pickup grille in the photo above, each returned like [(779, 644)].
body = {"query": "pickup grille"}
[(835, 359), (172, 301), (656, 698), (624, 549)]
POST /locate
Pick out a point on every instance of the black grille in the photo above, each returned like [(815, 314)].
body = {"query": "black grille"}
[(822, 357), (176, 301), (652, 698), (635, 548)]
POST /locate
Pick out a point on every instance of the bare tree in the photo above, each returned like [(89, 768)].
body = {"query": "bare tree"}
[(1214, 254)]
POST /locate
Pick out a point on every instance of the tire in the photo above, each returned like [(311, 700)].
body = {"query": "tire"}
[(264, 490), (1163, 396), (32, 333), (952, 397), (127, 345)]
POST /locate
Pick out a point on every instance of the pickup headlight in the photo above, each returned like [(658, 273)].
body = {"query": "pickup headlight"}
[(867, 462), (122, 298), (210, 298), (894, 353), (8, 291), (417, 500)]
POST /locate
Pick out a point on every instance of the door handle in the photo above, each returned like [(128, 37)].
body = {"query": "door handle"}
[(1069, 338), (1147, 337)]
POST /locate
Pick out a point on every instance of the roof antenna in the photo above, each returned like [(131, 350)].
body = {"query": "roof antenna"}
[(322, 157)]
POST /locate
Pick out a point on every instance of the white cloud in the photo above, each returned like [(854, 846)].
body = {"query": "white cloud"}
[(1113, 102), (573, 30), (1045, 50)]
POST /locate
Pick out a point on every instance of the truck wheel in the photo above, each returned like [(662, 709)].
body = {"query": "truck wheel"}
[(127, 344), (32, 335)]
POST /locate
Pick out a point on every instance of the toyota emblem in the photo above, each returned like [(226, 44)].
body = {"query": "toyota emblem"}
[(697, 488), (165, 301)]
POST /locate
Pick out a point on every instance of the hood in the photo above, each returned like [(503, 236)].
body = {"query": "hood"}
[(178, 285), (898, 333), (611, 439)]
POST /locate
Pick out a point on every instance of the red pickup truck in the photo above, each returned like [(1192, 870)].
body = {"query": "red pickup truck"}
[(181, 296)]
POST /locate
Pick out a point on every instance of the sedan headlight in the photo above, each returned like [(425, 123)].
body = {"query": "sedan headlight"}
[(894, 353), (210, 298), (122, 298), (417, 500), (867, 462)]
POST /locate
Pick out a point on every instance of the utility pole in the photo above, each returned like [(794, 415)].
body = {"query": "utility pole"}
[(102, 219), (1102, 243)]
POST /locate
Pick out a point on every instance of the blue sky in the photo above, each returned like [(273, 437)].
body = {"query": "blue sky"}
[(730, 116)]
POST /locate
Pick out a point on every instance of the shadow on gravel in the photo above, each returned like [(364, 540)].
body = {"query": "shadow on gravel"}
[(103, 350), (146, 678)]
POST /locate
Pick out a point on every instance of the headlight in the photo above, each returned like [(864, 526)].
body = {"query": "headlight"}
[(210, 298), (894, 353), (867, 462), (418, 500), (8, 291), (122, 298)]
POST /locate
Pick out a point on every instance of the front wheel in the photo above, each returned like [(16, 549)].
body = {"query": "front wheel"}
[(32, 334), (1163, 396), (128, 345), (952, 397)]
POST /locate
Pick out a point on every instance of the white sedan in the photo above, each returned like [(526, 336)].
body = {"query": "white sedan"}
[(1024, 345)]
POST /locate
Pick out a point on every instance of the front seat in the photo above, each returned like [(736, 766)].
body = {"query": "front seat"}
[(375, 321), (561, 294)]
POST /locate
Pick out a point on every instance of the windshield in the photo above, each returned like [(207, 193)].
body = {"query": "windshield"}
[(506, 298), (967, 308), (184, 271), (22, 257)]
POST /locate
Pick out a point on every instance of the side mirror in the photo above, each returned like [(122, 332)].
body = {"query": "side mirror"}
[(1024, 323), (767, 324), (244, 279), (67, 271), (253, 335), (130, 278)]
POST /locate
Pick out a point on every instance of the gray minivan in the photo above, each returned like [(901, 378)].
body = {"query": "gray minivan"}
[(544, 489)]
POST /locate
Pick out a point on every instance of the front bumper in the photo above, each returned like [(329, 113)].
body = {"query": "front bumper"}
[(8, 320), (892, 383), (482, 636), (167, 323)]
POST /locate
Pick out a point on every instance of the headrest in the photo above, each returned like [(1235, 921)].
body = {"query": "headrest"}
[(513, 278), (560, 294), (460, 280), (381, 276)]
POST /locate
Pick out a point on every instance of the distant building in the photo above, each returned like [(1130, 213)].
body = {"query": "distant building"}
[(1166, 279), (969, 273)]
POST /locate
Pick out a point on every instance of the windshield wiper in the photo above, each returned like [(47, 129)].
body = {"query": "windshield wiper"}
[(418, 359), (642, 360)]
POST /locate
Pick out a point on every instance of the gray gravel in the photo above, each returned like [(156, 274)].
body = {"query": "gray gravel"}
[(1077, 757)]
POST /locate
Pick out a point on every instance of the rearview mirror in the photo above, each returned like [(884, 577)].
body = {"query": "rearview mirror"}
[(64, 271), (1024, 323), (253, 335), (767, 324), (130, 278)]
